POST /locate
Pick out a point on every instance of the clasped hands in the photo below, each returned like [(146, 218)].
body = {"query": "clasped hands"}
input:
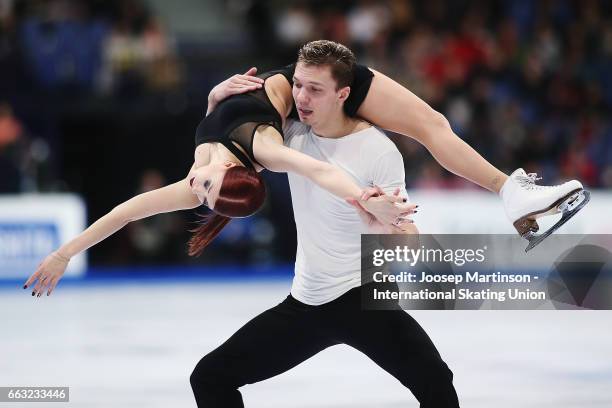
[(383, 213)]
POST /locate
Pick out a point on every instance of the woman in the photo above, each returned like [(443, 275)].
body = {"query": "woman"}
[(241, 137)]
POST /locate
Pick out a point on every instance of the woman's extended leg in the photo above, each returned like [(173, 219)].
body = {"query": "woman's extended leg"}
[(393, 107)]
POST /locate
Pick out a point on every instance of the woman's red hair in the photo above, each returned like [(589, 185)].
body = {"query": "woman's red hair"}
[(242, 194)]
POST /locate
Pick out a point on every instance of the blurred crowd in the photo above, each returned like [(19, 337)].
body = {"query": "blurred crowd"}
[(526, 83), (59, 52), (76, 46)]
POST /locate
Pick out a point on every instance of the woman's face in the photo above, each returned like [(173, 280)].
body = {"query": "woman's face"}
[(205, 182)]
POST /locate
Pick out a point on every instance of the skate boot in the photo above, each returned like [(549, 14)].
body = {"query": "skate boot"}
[(525, 201)]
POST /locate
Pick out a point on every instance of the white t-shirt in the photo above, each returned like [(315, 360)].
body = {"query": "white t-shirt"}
[(328, 259)]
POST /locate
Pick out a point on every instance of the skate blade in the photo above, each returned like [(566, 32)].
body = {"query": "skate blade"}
[(555, 207), (527, 225), (569, 208)]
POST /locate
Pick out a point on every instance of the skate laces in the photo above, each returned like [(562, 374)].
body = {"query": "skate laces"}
[(528, 181)]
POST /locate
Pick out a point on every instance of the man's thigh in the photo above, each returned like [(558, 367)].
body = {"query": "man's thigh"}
[(270, 344)]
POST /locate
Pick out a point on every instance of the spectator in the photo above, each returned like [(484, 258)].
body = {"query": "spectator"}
[(10, 151), (138, 54)]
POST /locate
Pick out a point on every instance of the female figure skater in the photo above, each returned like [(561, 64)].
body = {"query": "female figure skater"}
[(383, 102)]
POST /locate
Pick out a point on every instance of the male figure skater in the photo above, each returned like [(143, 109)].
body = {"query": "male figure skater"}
[(324, 306)]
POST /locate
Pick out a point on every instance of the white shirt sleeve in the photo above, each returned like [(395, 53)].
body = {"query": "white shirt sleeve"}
[(388, 173)]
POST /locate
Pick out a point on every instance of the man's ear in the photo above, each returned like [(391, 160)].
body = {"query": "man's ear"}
[(343, 93)]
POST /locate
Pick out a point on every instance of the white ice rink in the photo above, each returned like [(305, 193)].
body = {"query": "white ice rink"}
[(132, 346)]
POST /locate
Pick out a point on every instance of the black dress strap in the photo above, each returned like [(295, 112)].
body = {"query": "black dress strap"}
[(237, 152)]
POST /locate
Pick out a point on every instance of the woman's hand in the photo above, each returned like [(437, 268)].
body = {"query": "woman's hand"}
[(388, 210), (384, 214), (47, 275), (237, 84)]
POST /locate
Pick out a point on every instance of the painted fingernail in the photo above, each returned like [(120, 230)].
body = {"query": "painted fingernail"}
[(416, 211), (25, 286), (404, 199), (39, 294), (32, 293), (416, 206)]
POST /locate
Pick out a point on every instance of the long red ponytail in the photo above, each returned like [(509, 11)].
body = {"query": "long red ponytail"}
[(242, 194)]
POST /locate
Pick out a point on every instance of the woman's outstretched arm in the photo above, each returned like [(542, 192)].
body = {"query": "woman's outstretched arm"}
[(177, 196), (393, 107)]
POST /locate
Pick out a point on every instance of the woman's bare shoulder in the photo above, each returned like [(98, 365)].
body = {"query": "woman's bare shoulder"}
[(279, 91)]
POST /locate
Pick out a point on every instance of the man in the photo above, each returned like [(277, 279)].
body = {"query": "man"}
[(324, 307)]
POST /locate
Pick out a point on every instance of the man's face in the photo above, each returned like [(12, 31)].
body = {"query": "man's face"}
[(316, 98)]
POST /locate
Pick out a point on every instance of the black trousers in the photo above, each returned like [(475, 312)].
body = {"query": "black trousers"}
[(291, 332)]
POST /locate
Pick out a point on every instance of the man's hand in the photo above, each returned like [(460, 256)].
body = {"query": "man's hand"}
[(384, 214), (235, 85)]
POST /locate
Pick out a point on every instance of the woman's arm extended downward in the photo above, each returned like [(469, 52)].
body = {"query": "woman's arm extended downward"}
[(177, 196), (393, 107)]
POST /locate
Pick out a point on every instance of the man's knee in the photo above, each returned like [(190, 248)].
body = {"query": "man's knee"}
[(441, 383), (200, 376), (433, 387), (197, 378), (444, 373), (433, 374), (213, 386), (210, 372)]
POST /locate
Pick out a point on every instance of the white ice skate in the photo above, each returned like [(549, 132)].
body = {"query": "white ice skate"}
[(525, 201)]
